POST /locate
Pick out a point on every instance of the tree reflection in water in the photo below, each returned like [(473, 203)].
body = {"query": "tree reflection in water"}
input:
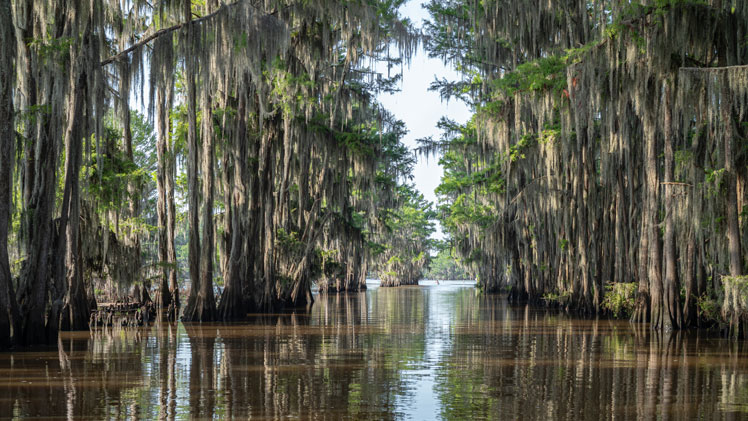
[(412, 352)]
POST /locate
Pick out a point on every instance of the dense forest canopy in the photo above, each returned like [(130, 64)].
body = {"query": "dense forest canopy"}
[(211, 159), (605, 166), (156, 148)]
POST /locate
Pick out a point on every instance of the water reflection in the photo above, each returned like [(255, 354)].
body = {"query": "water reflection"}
[(413, 352)]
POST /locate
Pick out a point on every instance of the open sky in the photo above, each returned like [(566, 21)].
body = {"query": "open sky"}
[(420, 108)]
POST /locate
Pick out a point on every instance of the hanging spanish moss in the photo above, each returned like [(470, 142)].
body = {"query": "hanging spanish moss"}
[(604, 165), (267, 140)]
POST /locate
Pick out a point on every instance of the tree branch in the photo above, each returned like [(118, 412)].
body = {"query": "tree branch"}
[(712, 69), (159, 33)]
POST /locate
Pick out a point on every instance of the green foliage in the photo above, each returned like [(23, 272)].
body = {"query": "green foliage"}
[(288, 241), (445, 265), (556, 298), (708, 308), (544, 74), (406, 242), (517, 151), (108, 176), (56, 49), (619, 298)]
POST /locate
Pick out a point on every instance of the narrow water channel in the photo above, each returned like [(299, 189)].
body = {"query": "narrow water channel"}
[(422, 353)]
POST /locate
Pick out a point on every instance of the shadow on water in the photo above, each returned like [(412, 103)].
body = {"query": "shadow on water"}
[(412, 352)]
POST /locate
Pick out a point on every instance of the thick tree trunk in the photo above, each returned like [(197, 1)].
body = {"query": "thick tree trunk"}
[(75, 312), (654, 272), (33, 292), (671, 299), (191, 312), (206, 304), (232, 304), (130, 238), (9, 316)]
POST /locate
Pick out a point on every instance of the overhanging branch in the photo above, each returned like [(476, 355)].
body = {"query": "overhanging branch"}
[(159, 33), (713, 69)]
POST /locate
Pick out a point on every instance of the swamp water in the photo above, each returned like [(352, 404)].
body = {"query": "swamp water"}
[(427, 352)]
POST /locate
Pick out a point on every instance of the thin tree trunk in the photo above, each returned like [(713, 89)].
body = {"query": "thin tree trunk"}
[(162, 153), (124, 93), (9, 316), (266, 210), (171, 250)]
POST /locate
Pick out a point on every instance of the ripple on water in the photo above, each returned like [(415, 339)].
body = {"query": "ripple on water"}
[(426, 352)]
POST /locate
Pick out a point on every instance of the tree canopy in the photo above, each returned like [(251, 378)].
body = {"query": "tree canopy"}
[(607, 148)]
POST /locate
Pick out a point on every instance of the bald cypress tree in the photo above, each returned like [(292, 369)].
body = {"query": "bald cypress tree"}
[(590, 177)]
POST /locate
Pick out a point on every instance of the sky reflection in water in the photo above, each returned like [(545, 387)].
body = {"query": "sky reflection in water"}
[(428, 352)]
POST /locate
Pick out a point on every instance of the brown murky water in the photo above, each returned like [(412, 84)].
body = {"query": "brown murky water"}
[(429, 352)]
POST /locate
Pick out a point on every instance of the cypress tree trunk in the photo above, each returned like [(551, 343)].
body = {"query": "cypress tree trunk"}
[(671, 299), (232, 306), (169, 180), (9, 316), (654, 271), (34, 286), (171, 251), (191, 312), (27, 90), (162, 211), (266, 210), (206, 304), (75, 310)]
